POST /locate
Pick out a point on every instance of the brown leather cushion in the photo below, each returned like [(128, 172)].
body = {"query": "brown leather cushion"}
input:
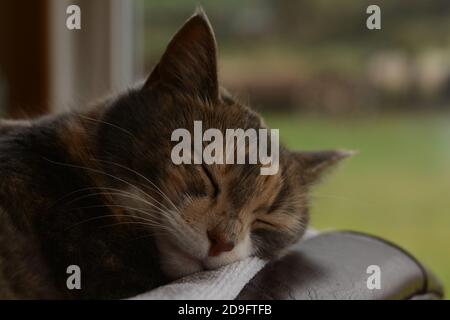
[(333, 266)]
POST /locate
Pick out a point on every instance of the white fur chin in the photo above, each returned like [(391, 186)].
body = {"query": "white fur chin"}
[(241, 251), (177, 266), (175, 263)]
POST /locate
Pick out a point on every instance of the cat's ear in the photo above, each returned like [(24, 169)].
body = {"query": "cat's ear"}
[(313, 164), (190, 60)]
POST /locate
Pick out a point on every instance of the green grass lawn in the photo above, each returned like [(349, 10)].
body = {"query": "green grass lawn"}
[(397, 187)]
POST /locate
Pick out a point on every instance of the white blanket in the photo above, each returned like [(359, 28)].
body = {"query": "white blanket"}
[(224, 283)]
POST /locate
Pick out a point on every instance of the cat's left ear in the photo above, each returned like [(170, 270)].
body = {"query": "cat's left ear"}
[(190, 60), (313, 164)]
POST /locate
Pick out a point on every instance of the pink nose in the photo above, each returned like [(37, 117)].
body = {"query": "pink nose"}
[(218, 244)]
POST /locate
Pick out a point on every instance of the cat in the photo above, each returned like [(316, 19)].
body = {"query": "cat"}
[(98, 190)]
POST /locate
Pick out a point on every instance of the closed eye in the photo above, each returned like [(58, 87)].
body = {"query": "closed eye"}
[(262, 210), (265, 222), (212, 180)]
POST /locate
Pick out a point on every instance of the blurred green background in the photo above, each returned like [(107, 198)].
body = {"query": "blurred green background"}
[(319, 75), (397, 187)]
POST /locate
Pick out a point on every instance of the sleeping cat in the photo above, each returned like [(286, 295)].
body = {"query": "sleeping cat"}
[(99, 190)]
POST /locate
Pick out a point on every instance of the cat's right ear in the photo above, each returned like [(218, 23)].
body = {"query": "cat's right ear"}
[(190, 60)]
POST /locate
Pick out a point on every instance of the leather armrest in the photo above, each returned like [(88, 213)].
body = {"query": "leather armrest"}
[(334, 265)]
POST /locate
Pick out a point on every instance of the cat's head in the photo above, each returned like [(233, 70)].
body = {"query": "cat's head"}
[(203, 215)]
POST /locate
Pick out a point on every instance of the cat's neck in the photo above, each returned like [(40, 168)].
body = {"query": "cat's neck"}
[(47, 158), (7, 126)]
